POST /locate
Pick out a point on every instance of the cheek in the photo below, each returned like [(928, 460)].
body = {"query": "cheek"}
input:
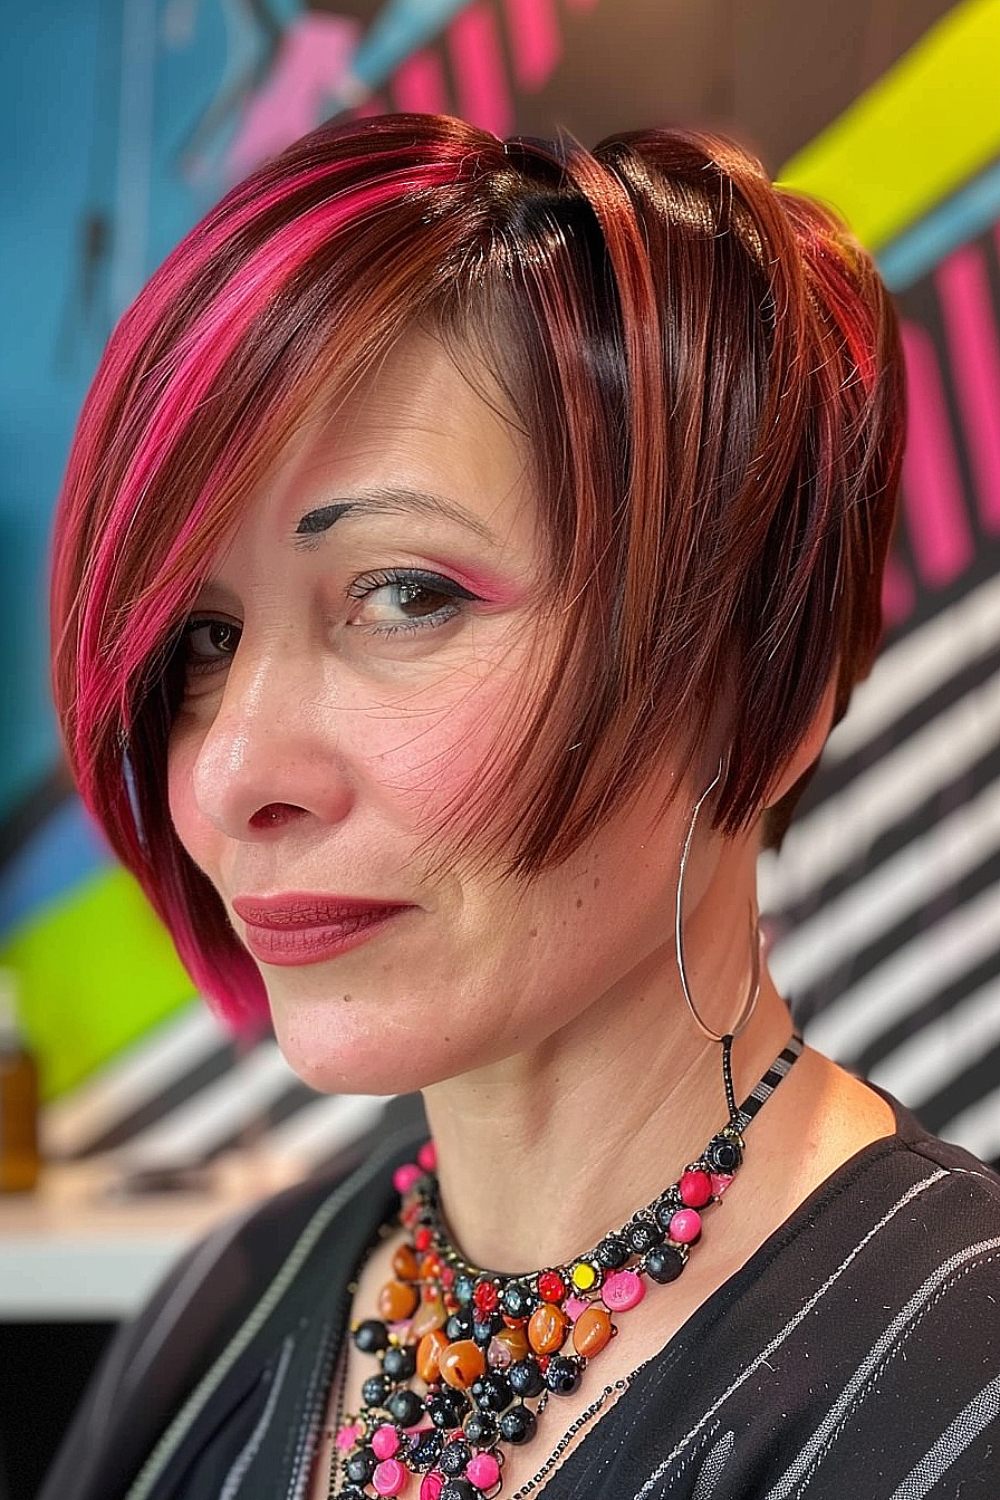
[(189, 826)]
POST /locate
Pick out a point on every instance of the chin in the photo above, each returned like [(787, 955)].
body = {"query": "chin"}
[(341, 1051)]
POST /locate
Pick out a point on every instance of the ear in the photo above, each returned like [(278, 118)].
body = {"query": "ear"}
[(808, 750)]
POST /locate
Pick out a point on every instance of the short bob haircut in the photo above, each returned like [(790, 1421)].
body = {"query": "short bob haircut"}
[(708, 375)]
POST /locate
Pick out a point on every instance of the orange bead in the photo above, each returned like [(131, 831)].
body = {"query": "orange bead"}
[(428, 1316), (397, 1300), (591, 1331), (514, 1339), (462, 1364), (429, 1352), (547, 1328), (404, 1263)]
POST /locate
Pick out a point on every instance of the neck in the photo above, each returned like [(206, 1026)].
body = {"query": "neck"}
[(542, 1154)]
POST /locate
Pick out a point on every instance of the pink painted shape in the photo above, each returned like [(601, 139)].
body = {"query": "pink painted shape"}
[(477, 67), (932, 486), (898, 593), (970, 325), (418, 84), (535, 41), (312, 60)]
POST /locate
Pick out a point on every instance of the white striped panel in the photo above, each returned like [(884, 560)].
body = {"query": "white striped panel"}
[(907, 673), (919, 872), (916, 972), (233, 1102), (318, 1130), (977, 1128), (132, 1079), (843, 828), (931, 1059)]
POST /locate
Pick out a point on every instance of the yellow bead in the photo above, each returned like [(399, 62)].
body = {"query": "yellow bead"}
[(583, 1276)]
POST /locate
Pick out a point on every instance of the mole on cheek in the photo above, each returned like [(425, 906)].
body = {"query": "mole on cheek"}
[(348, 998)]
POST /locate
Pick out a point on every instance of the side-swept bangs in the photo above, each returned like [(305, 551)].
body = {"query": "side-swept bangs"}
[(708, 375)]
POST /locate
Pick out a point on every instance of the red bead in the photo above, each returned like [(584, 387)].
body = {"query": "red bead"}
[(551, 1286), (422, 1239), (695, 1189), (486, 1297)]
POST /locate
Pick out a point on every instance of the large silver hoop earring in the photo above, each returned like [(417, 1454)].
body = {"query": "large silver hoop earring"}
[(750, 1002)]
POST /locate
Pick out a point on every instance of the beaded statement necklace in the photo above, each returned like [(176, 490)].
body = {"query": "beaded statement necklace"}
[(489, 1350)]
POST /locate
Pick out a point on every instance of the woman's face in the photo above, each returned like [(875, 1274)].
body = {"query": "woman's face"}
[(355, 659)]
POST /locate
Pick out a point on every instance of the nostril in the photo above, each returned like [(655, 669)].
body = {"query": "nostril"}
[(274, 814)]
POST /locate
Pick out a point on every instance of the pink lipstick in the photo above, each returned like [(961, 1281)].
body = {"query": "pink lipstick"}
[(299, 927)]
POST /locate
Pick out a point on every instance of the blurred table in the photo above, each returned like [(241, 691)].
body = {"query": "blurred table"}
[(79, 1249)]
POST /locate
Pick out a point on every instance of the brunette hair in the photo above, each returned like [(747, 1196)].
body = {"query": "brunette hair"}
[(706, 367)]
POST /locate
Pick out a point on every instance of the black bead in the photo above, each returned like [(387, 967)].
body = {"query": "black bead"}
[(525, 1377), (612, 1253), (400, 1362), (664, 1263), (459, 1326), (562, 1376), (459, 1489), (480, 1428), (483, 1329), (642, 1235), (463, 1290), (724, 1154), (371, 1336), (518, 1425), (447, 1408), (519, 1301), (360, 1467), (375, 1390), (424, 1453), (665, 1211), (454, 1458), (405, 1407), (493, 1392)]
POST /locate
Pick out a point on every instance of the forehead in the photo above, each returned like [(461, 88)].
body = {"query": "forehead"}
[(424, 424)]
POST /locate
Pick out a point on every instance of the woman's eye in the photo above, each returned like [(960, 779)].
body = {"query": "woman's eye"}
[(209, 644), (406, 600)]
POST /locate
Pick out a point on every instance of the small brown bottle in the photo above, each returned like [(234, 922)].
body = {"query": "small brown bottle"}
[(19, 1161)]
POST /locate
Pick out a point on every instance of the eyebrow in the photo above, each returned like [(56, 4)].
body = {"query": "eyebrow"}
[(388, 501)]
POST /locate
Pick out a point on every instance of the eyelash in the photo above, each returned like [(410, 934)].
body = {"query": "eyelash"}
[(361, 588), (433, 583)]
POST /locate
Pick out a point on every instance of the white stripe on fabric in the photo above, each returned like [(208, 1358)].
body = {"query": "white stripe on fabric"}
[(775, 1343), (241, 1463), (970, 1422), (797, 1475), (935, 958)]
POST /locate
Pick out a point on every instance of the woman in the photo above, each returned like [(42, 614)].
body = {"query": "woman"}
[(464, 553)]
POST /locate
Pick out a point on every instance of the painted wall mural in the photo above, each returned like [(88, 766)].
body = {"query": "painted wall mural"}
[(131, 116)]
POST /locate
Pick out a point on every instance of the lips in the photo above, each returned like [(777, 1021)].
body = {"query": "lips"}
[(304, 928)]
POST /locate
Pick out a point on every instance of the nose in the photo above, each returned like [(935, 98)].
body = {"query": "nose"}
[(273, 754)]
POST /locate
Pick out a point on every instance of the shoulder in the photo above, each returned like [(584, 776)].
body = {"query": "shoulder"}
[(267, 1257)]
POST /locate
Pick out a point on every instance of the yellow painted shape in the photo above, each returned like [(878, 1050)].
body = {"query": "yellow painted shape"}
[(95, 970), (930, 123)]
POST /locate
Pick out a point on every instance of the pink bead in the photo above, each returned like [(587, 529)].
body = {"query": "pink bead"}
[(720, 1181), (574, 1306), (405, 1176), (431, 1485), (695, 1189), (427, 1156), (498, 1355), (685, 1226), (348, 1436), (390, 1477), (385, 1441), (483, 1470), (622, 1290)]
